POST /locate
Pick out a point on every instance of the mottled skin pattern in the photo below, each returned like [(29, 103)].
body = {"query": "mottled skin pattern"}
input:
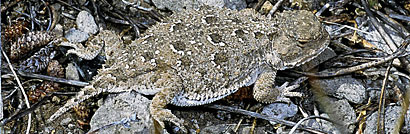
[(93, 47), (199, 56)]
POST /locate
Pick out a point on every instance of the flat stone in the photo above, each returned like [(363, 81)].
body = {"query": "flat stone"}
[(344, 87), (341, 112), (76, 36), (71, 72), (280, 110), (392, 113), (85, 22), (123, 106)]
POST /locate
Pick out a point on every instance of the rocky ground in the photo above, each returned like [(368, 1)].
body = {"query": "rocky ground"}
[(351, 101)]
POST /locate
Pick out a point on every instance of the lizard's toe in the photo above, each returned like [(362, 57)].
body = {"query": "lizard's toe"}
[(161, 115)]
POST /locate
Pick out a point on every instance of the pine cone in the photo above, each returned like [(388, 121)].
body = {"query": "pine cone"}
[(54, 69), (39, 60), (29, 42), (15, 30)]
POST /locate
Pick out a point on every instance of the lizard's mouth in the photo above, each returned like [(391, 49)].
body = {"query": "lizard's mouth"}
[(303, 42)]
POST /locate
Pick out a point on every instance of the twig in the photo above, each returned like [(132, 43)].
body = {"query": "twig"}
[(49, 14), (401, 30), (124, 121), (27, 15), (402, 74), (275, 7), (397, 6), (382, 101), (345, 26), (98, 15), (68, 15), (21, 88), (115, 20), (379, 27), (400, 17), (134, 25), (305, 119), (260, 116), (399, 53), (240, 121), (1, 97), (55, 79), (404, 108), (31, 11), (10, 94), (65, 3), (25, 111), (137, 5), (386, 37), (326, 6), (12, 3)]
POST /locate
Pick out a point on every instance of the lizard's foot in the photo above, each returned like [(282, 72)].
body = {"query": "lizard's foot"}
[(287, 92), (161, 115)]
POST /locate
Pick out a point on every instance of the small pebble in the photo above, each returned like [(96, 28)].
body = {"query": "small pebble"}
[(71, 72), (280, 110)]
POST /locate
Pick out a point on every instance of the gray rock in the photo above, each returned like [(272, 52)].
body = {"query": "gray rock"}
[(325, 125), (71, 72), (76, 36), (176, 5), (392, 114), (280, 110), (65, 121), (58, 30), (344, 87), (341, 112), (235, 4), (122, 106), (85, 22), (214, 3), (406, 127), (345, 114)]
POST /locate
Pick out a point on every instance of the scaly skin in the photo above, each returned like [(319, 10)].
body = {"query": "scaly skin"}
[(199, 56)]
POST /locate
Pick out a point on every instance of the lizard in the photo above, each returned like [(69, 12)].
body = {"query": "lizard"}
[(198, 56)]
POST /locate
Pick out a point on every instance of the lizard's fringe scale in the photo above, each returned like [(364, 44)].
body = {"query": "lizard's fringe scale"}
[(39, 60), (83, 95), (29, 42), (96, 87)]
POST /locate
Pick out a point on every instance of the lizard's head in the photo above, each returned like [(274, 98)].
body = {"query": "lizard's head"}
[(300, 39)]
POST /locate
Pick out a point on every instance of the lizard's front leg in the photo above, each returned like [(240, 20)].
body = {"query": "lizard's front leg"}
[(265, 90), (171, 85)]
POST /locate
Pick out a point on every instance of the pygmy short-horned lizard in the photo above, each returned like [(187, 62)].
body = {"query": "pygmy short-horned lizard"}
[(197, 57)]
